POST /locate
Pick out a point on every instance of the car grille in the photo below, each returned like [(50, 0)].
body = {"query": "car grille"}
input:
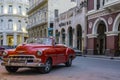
[(21, 58)]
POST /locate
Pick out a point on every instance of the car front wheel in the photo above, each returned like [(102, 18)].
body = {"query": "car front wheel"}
[(11, 69), (48, 67)]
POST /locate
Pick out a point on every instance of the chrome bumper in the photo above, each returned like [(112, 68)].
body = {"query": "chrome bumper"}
[(22, 62)]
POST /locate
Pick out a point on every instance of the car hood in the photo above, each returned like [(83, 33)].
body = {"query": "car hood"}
[(26, 47)]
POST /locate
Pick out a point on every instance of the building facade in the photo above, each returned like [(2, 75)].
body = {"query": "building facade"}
[(13, 22), (70, 26), (41, 16), (103, 30), (37, 18)]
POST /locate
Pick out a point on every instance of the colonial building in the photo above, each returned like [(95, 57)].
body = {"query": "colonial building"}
[(37, 18), (41, 16), (70, 26), (13, 22), (103, 30)]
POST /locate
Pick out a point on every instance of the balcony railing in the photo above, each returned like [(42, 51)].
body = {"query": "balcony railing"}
[(34, 5), (112, 3), (40, 22), (69, 14)]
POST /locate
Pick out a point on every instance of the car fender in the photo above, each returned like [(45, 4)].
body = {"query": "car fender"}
[(67, 53), (70, 53)]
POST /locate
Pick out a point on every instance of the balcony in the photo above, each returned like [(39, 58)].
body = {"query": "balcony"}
[(112, 4), (8, 1), (38, 23), (36, 5)]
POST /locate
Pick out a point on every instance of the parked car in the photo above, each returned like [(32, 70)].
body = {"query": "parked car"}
[(1, 50), (39, 53), (78, 52)]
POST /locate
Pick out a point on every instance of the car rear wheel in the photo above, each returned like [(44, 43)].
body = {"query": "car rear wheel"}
[(48, 67), (69, 62), (11, 69)]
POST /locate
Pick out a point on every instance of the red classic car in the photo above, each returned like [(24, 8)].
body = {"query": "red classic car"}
[(39, 53)]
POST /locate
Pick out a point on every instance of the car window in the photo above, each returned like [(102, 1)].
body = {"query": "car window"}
[(45, 41)]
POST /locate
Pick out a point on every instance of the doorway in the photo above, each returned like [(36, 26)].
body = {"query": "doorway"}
[(101, 39), (79, 37)]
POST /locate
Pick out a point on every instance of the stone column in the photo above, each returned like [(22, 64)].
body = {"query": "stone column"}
[(95, 2), (74, 39), (60, 38), (92, 44), (66, 39), (15, 39), (112, 44), (22, 38), (4, 39), (84, 30)]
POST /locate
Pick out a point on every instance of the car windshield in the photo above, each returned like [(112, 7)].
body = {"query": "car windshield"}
[(45, 41)]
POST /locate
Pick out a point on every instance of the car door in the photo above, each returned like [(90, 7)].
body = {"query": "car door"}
[(60, 51)]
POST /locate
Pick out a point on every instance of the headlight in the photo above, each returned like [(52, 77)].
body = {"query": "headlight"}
[(39, 53), (4, 53)]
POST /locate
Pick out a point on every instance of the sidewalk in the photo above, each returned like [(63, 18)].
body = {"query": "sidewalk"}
[(102, 56)]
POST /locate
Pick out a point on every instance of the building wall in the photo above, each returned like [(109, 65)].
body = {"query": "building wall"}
[(13, 21), (38, 14), (109, 16), (90, 5), (41, 14), (71, 19)]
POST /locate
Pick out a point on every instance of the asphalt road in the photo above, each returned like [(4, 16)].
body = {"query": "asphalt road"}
[(83, 68)]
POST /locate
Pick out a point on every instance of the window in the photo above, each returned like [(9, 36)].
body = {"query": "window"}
[(56, 12), (103, 2), (19, 10), (26, 9), (10, 10), (1, 9), (10, 24), (19, 25), (51, 25), (98, 4), (1, 24)]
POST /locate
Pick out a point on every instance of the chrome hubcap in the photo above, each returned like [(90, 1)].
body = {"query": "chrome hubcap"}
[(48, 65)]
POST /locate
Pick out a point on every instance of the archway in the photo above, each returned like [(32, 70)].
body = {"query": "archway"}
[(101, 38), (79, 37), (118, 44), (70, 36), (63, 36), (116, 23)]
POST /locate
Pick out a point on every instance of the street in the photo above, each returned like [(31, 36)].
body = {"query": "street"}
[(83, 68)]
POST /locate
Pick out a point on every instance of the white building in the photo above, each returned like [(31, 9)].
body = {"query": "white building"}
[(13, 21), (70, 26), (41, 16)]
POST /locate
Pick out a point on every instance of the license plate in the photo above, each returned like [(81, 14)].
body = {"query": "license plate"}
[(17, 64)]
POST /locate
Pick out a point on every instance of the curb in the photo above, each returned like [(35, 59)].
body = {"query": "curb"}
[(104, 57)]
